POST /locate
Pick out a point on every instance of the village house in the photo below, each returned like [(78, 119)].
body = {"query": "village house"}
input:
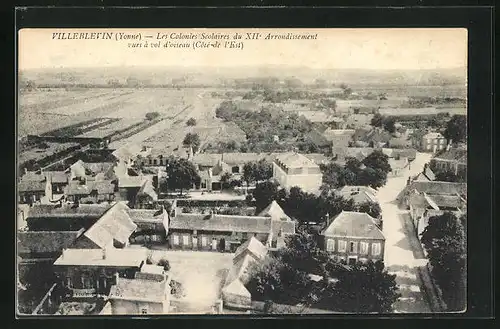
[(152, 225), (451, 159), (58, 180), (227, 232), (90, 192), (294, 169), (64, 217), (426, 175), (423, 206), (146, 196), (353, 237), (86, 171), (398, 167), (433, 142), (88, 267), (359, 194), (234, 292), (147, 293), (430, 188), (32, 188)]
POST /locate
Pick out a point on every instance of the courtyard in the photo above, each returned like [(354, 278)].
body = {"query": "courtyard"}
[(201, 274)]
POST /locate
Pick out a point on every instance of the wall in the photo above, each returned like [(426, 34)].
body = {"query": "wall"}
[(120, 306), (357, 241), (307, 182), (227, 236)]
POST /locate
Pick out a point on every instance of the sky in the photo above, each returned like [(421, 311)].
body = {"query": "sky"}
[(401, 49)]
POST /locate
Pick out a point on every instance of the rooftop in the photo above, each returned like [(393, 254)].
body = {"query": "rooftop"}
[(354, 224), (452, 154), (67, 210), (98, 257), (359, 194), (433, 135), (115, 224), (253, 246), (31, 186), (225, 223), (139, 289), (295, 160), (45, 241), (274, 211)]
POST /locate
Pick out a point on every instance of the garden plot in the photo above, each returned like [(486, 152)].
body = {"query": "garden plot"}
[(108, 130), (89, 104)]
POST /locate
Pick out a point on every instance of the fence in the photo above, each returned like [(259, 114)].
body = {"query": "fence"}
[(46, 305)]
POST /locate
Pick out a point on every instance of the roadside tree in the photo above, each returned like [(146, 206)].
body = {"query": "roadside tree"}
[(181, 174)]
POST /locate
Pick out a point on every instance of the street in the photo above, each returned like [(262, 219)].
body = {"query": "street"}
[(402, 248)]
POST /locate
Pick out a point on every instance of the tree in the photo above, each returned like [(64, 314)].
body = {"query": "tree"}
[(377, 120), (191, 122), (152, 115), (249, 173), (444, 241), (263, 170), (225, 180), (456, 129), (192, 140), (181, 174), (264, 194), (389, 124), (378, 160), (363, 288), (331, 176), (374, 178), (165, 264), (371, 208), (446, 176)]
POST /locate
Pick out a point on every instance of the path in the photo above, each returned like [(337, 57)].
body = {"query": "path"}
[(402, 248)]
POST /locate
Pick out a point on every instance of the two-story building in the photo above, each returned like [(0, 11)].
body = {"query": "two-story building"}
[(147, 293), (431, 188), (433, 142), (90, 191), (424, 206), (294, 169), (451, 159), (225, 232), (359, 194), (353, 237), (32, 188)]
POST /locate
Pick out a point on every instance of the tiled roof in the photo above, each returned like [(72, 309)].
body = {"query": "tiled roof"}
[(318, 158), (234, 158), (69, 211), (282, 227), (447, 201), (429, 173), (33, 186), (102, 187), (253, 246), (354, 224), (138, 215), (132, 289), (57, 177), (45, 241), (99, 257), (115, 224), (148, 189), (295, 160), (274, 211), (131, 181), (236, 287), (359, 194), (225, 223), (433, 135), (434, 187), (32, 177), (458, 155)]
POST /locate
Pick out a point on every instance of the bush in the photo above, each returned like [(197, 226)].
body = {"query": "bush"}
[(152, 115), (191, 122), (176, 289), (165, 264)]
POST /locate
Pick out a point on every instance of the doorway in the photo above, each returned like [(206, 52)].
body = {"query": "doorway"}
[(352, 260), (222, 244)]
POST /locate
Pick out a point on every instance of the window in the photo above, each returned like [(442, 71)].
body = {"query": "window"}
[(353, 246), (203, 241), (429, 141), (435, 142), (429, 146), (150, 161), (375, 249), (144, 310), (363, 248), (330, 245), (342, 245), (203, 185), (161, 162), (185, 240), (235, 170), (155, 162), (176, 239)]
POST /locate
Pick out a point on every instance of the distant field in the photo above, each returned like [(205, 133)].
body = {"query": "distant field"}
[(409, 91)]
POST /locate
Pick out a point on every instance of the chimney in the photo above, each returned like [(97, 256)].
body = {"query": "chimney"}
[(104, 253), (327, 218), (117, 277)]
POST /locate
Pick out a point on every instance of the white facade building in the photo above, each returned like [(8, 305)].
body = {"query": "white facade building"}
[(293, 169)]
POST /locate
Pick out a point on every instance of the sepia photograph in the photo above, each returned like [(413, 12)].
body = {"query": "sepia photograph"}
[(241, 171)]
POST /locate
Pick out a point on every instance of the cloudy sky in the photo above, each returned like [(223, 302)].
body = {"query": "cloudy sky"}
[(333, 49)]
